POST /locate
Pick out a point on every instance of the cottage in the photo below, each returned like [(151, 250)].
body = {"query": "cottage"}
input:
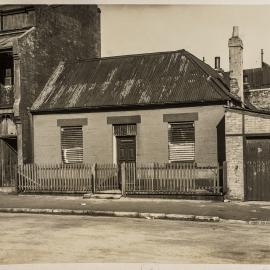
[(167, 107), (33, 39)]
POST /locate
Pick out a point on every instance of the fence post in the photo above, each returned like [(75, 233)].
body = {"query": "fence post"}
[(224, 180), (16, 178), (94, 177), (123, 178)]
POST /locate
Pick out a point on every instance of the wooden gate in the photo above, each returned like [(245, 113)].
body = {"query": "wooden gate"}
[(257, 169), (8, 163), (106, 178)]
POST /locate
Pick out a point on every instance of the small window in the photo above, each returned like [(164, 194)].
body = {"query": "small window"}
[(181, 141), (72, 144), (245, 79)]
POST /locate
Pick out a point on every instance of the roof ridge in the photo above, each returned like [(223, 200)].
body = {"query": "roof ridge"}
[(122, 56)]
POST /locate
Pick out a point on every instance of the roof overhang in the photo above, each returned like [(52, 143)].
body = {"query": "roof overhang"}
[(126, 107)]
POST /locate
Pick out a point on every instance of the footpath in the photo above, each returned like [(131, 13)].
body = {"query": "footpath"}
[(193, 210)]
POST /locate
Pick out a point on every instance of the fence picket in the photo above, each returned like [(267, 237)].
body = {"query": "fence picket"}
[(152, 178)]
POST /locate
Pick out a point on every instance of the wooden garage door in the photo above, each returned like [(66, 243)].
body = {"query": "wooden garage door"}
[(258, 169)]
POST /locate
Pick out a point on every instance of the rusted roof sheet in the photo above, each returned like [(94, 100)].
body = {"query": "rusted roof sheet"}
[(155, 78)]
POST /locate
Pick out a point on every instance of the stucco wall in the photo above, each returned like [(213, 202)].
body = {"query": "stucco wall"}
[(152, 135)]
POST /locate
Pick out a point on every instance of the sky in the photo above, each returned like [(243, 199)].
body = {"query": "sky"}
[(203, 30)]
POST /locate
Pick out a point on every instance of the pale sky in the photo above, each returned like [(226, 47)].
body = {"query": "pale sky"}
[(201, 30)]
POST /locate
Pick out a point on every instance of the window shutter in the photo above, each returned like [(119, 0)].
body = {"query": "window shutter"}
[(181, 141), (72, 144)]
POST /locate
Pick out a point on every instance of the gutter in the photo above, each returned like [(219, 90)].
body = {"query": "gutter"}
[(247, 110), (126, 107)]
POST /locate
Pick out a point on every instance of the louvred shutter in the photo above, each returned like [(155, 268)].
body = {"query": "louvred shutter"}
[(72, 144), (181, 141)]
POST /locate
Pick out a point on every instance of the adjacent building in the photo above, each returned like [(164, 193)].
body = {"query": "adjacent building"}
[(33, 40)]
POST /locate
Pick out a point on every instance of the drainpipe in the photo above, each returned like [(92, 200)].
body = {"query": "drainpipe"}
[(17, 99)]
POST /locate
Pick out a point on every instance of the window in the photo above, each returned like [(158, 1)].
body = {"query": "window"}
[(181, 141), (72, 144), (6, 68)]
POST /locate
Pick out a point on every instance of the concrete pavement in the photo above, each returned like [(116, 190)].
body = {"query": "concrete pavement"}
[(250, 212)]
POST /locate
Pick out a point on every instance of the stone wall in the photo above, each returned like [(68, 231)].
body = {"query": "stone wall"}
[(260, 98)]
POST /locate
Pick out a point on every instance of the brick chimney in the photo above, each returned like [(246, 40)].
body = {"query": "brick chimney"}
[(236, 64)]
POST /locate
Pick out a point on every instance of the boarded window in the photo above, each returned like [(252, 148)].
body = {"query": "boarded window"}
[(72, 144), (181, 141)]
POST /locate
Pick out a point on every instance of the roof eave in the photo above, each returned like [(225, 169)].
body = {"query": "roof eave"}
[(128, 107)]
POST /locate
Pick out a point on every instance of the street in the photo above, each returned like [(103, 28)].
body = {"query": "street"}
[(27, 238)]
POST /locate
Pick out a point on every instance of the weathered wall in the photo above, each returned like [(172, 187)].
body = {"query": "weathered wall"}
[(234, 155), (257, 123), (260, 98), (238, 125), (152, 135), (61, 33)]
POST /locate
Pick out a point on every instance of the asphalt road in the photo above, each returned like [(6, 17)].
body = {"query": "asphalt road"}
[(65, 239)]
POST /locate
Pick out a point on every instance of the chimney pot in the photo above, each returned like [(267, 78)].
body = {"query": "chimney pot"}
[(217, 62), (235, 31), (262, 57)]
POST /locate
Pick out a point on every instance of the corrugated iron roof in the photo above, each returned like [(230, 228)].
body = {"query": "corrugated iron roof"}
[(257, 78), (155, 78)]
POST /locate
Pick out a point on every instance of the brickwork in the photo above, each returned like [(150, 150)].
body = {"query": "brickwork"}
[(236, 64), (234, 155), (254, 124), (257, 124), (152, 135), (235, 167), (233, 123)]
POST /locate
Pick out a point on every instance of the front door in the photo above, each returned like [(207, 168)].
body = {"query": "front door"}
[(258, 169), (126, 152), (126, 149)]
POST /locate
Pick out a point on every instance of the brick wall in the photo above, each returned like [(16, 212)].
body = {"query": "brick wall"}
[(152, 135), (254, 123), (61, 33), (234, 155)]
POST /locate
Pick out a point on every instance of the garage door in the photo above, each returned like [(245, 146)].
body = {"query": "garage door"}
[(258, 169)]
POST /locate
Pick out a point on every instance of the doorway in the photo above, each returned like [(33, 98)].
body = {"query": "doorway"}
[(258, 169)]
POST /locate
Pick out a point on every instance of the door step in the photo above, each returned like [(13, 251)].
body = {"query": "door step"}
[(102, 196), (7, 190), (113, 191)]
